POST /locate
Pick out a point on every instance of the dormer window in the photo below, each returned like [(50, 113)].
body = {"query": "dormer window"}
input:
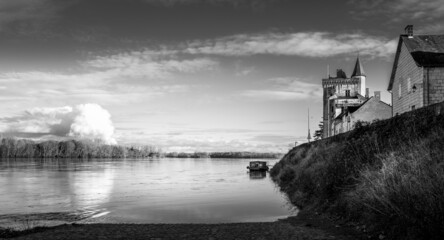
[(347, 93)]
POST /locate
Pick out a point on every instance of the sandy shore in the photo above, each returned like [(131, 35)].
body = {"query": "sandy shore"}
[(305, 226)]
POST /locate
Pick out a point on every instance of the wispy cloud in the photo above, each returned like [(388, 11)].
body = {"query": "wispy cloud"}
[(432, 28), (129, 75), (255, 4), (400, 10), (142, 64), (30, 16), (304, 44), (116, 68), (284, 89)]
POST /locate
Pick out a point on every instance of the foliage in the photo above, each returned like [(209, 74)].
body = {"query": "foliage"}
[(320, 132), (22, 148)]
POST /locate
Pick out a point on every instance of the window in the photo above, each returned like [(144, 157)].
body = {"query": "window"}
[(347, 93), (399, 90), (409, 85)]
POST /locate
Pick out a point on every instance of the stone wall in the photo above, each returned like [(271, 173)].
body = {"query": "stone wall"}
[(406, 69), (435, 84)]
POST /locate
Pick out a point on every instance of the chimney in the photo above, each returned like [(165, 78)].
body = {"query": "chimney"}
[(409, 31), (367, 92), (378, 95)]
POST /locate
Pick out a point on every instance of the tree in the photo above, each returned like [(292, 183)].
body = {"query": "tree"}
[(320, 132)]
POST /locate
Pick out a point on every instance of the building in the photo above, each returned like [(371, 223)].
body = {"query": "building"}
[(417, 77), (372, 109), (347, 100)]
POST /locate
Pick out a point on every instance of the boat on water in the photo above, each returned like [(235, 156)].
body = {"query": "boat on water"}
[(258, 166)]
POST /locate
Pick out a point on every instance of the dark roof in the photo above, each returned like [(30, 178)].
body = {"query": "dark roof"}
[(349, 110), (426, 50), (358, 70), (353, 109), (345, 97)]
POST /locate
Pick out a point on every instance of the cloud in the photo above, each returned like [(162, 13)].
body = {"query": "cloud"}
[(84, 121), (282, 139), (254, 4), (195, 143), (28, 16), (110, 79), (147, 63), (433, 28), (400, 10), (121, 67), (304, 44), (286, 89)]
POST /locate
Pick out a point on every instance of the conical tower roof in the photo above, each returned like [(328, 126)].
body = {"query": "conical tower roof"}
[(358, 70)]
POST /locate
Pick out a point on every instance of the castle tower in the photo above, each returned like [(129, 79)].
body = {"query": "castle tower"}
[(340, 93), (358, 74)]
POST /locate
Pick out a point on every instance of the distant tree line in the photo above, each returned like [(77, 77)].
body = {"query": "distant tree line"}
[(223, 155), (23, 148)]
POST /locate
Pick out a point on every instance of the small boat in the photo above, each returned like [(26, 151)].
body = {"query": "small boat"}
[(258, 166), (257, 175)]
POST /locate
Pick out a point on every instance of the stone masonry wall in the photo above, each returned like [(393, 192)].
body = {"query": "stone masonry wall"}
[(435, 84), (407, 68)]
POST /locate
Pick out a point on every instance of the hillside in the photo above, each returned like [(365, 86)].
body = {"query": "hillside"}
[(388, 175)]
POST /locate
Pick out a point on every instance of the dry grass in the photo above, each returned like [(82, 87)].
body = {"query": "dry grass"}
[(389, 174), (407, 191)]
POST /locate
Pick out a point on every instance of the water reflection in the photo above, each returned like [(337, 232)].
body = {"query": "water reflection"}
[(255, 175), (141, 191), (92, 188)]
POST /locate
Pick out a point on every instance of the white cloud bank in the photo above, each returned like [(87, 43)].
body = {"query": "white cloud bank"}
[(84, 121)]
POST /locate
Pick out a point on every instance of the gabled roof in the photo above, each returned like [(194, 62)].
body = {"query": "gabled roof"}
[(358, 70), (426, 50)]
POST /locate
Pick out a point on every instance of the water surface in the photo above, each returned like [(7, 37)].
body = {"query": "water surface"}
[(164, 190)]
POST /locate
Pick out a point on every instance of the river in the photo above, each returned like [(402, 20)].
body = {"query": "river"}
[(162, 190)]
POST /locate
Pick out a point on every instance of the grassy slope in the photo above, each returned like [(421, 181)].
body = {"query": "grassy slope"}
[(389, 175)]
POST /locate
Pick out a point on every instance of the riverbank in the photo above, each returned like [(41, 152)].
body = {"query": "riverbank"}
[(307, 225), (388, 175)]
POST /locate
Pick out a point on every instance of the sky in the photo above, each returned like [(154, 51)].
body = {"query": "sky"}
[(190, 75)]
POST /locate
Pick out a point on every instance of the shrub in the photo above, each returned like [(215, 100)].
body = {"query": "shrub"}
[(287, 176)]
